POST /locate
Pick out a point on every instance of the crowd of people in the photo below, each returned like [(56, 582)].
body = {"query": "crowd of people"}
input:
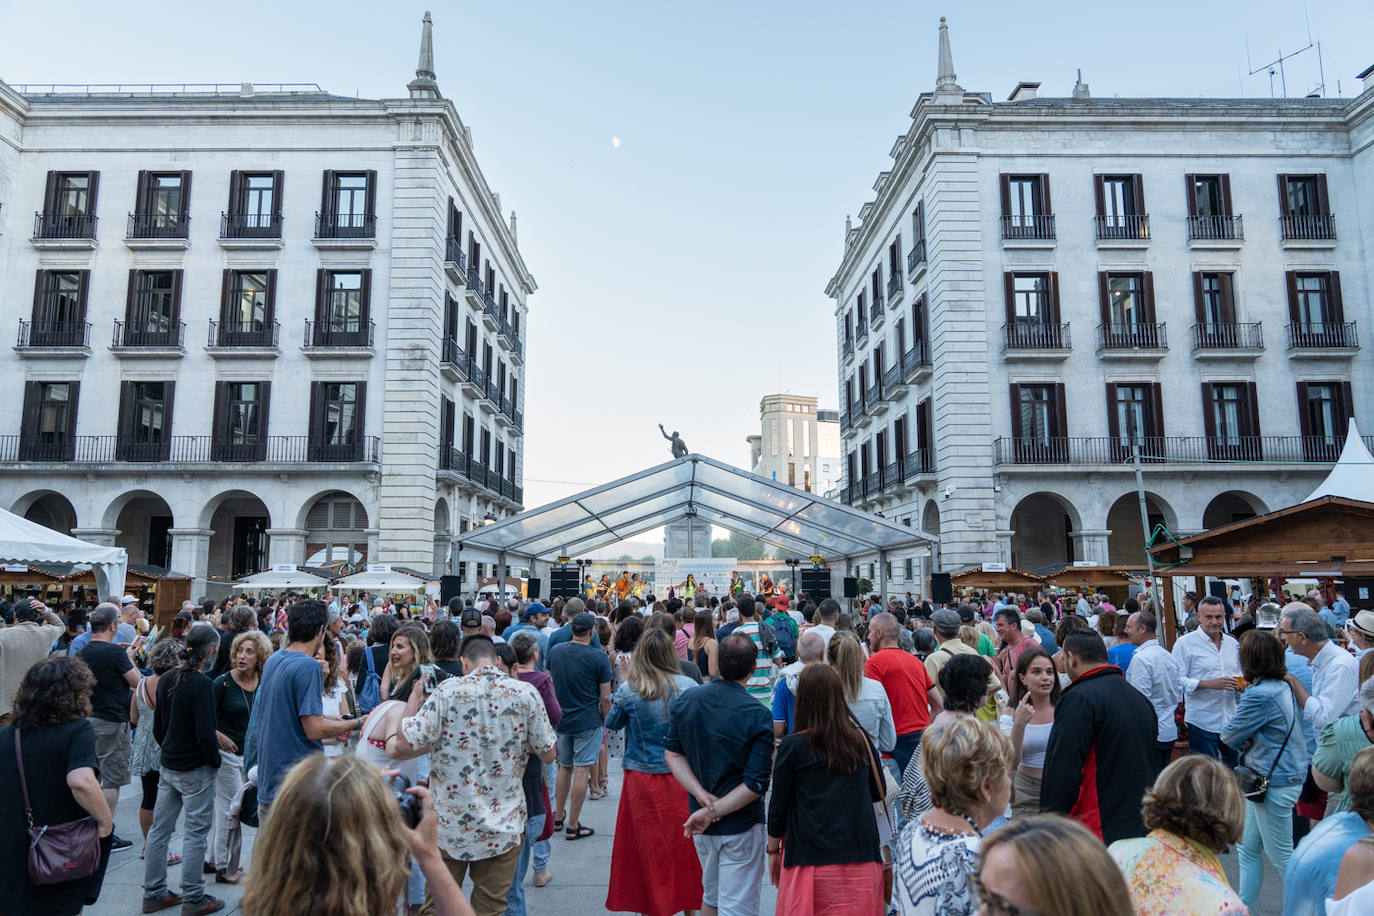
[(1000, 755)]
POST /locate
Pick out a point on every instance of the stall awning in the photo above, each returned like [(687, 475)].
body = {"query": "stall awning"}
[(23, 541), (693, 486)]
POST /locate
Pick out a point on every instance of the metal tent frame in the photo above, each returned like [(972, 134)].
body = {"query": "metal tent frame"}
[(693, 486)]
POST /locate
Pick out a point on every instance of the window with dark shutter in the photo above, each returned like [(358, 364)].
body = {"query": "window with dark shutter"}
[(247, 309), (337, 410), (59, 309), (349, 205), (69, 206), (1120, 201), (48, 425), (254, 205), (240, 420), (152, 314), (145, 429)]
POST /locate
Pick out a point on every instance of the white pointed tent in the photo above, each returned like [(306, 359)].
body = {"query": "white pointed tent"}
[(23, 541), (693, 486), (1353, 475)]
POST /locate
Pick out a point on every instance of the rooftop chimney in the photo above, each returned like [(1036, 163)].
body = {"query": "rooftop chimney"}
[(1080, 88), (1023, 91), (946, 84)]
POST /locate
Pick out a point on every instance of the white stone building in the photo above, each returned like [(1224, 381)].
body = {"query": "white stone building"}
[(257, 324), (1041, 283), (798, 443)]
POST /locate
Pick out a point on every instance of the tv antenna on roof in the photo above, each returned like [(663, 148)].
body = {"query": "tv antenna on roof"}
[(1277, 65)]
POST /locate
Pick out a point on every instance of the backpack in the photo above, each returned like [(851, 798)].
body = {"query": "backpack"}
[(785, 629), (371, 694)]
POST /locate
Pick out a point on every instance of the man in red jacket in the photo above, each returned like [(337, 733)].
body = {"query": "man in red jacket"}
[(1101, 754)]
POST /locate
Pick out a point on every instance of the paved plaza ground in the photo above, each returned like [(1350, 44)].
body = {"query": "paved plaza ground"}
[(580, 869)]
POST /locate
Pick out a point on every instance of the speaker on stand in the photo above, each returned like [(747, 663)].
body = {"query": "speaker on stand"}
[(941, 588)]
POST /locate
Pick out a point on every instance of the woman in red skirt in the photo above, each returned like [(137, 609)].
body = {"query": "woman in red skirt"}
[(822, 835), (654, 868)]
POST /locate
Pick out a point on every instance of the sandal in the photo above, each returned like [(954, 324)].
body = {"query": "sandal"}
[(595, 795), (558, 823), (577, 833), (222, 877)]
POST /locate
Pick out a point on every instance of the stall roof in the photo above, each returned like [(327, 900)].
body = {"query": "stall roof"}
[(23, 541), (692, 486), (978, 577), (1067, 575)]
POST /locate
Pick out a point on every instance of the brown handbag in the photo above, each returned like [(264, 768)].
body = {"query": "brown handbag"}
[(58, 852), (889, 853)]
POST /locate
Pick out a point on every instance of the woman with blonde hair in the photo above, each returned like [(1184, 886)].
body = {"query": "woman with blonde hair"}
[(343, 805), (233, 693), (1051, 864), (409, 649), (1194, 811), (654, 867), (866, 697)]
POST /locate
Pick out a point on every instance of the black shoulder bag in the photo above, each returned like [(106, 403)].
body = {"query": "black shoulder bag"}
[(1254, 786)]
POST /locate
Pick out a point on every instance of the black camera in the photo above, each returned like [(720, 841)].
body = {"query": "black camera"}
[(408, 803)]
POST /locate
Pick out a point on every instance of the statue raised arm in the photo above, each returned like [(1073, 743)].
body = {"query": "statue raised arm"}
[(679, 447)]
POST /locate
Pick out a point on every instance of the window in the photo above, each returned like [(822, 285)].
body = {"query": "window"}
[(450, 354), (247, 307), (1305, 208), (1032, 303), (342, 300), (145, 421), (68, 206), (474, 253), (241, 420), (1214, 302), (1039, 422), (500, 466), (162, 207), (447, 421), (48, 432), (1120, 207), (1026, 211), (489, 287), (152, 311), (254, 205), (514, 392), (1230, 414), (1135, 418), (920, 330), (485, 455), (59, 309), (877, 281), (469, 434), (917, 255), (510, 465), (1128, 310), (1209, 208), (336, 420), (1315, 310), (453, 246), (348, 208), (925, 435), (1324, 411), (861, 308), (849, 326)]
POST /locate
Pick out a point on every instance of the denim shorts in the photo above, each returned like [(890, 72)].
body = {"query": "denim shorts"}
[(579, 749)]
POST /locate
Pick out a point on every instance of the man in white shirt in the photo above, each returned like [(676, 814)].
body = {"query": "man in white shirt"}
[(1335, 673), (829, 613), (1209, 663), (1154, 673)]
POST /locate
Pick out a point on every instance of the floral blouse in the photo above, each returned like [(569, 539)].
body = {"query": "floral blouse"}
[(1172, 876), (481, 730)]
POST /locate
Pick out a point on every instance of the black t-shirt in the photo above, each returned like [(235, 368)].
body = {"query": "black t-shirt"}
[(380, 656), (184, 722), (452, 665), (110, 698)]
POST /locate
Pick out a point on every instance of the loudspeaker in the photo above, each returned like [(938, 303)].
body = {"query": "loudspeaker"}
[(851, 587), (1218, 589), (816, 582), (941, 589), (450, 587), (564, 583), (532, 586)]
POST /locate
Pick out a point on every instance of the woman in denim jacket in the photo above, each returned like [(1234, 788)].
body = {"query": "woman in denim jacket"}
[(1266, 714), (654, 868)]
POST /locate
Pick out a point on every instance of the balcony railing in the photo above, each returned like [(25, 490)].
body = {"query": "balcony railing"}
[(915, 359), (1035, 336), (1295, 226), (847, 348), (250, 225), (189, 449), (475, 279), (64, 226), (892, 377), (921, 461), (324, 335), (894, 285), (1123, 226), (453, 252), (467, 466), (51, 447), (244, 334), (872, 398), (1215, 227), (148, 334), (1108, 450), (453, 355), (1322, 335), (159, 226), (74, 334), (916, 256), (844, 418), (1246, 335), (1028, 226), (861, 331), (345, 225), (1132, 336)]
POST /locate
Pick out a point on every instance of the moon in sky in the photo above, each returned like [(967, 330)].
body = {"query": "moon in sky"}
[(615, 142)]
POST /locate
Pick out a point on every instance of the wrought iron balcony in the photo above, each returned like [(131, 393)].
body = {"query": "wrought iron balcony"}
[(454, 356), (474, 283), (64, 226), (916, 256), (250, 225), (861, 332), (847, 348), (1332, 335), (915, 360), (188, 450), (73, 334), (1028, 226), (148, 335), (1109, 450), (1141, 336), (892, 377), (330, 225), (921, 461), (255, 334), (1320, 226), (1124, 226), (1215, 227), (894, 286), (1020, 336), (453, 253), (1246, 335), (323, 335), (158, 226)]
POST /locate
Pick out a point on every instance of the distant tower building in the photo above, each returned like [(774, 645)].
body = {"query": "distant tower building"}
[(798, 445)]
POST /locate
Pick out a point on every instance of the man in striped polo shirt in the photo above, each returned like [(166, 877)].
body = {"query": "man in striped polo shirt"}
[(760, 684)]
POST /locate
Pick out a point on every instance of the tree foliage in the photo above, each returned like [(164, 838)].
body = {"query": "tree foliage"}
[(741, 547)]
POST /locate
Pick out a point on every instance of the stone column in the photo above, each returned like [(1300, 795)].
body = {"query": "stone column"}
[(191, 555), (1090, 546), (374, 544), (441, 554), (1004, 537), (103, 537), (286, 545)]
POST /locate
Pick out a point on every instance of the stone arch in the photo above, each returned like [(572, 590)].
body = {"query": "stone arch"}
[(49, 509), (239, 545), (443, 523), (336, 525), (1043, 524), (1126, 543), (930, 517), (143, 519), (1232, 506)]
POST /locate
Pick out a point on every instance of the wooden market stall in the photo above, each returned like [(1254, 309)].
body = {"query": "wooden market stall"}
[(1330, 539), (1114, 580), (160, 592), (989, 576)]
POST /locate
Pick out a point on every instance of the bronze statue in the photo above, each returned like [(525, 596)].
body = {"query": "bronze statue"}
[(679, 447)]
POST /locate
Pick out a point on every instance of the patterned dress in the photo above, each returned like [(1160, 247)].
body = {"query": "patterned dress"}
[(1172, 876), (932, 871)]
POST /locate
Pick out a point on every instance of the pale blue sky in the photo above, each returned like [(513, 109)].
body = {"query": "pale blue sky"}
[(682, 275)]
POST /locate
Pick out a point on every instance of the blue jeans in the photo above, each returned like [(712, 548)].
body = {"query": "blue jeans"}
[(1268, 824), (515, 897), (193, 790), (543, 850), (901, 751), (1201, 741)]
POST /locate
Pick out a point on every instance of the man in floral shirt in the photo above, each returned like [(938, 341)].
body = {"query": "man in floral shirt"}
[(479, 730)]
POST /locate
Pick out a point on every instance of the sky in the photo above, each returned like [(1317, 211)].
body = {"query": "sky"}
[(682, 273)]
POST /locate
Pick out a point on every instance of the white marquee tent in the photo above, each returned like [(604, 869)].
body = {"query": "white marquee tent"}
[(280, 580), (23, 541), (1353, 475)]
